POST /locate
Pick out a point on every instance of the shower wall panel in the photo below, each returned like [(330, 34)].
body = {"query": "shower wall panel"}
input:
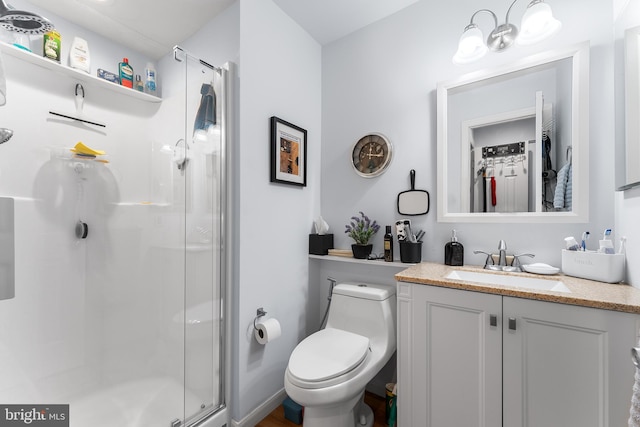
[(95, 322)]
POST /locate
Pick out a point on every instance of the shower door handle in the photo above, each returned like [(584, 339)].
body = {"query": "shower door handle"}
[(180, 154)]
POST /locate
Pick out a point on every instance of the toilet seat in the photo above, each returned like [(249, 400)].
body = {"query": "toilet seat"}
[(328, 357)]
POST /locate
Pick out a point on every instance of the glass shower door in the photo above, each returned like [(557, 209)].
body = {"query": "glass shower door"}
[(203, 171)]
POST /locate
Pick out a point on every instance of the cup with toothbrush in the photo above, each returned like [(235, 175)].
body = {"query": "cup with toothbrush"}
[(606, 244)]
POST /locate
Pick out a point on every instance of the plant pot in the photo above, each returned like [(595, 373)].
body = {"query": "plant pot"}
[(361, 251)]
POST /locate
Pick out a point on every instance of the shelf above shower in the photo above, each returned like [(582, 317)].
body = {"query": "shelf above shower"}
[(73, 73)]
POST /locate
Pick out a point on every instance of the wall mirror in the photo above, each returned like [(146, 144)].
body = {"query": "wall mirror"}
[(632, 107), (513, 142)]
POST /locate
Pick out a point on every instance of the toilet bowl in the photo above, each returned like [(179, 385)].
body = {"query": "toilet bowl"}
[(329, 370)]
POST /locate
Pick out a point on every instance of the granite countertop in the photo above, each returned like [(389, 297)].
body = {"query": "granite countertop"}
[(587, 293)]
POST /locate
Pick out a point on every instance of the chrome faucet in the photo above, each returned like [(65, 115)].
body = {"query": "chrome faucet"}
[(502, 250), (502, 264)]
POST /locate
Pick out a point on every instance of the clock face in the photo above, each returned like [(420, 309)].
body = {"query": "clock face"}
[(371, 155)]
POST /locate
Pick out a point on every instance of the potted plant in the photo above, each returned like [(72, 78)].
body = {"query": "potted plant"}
[(361, 229)]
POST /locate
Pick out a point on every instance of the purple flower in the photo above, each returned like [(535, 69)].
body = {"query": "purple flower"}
[(361, 229)]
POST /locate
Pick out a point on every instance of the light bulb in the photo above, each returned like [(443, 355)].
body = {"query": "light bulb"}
[(538, 23), (471, 46)]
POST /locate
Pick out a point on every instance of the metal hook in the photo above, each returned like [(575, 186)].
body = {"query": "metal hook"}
[(78, 85), (259, 313)]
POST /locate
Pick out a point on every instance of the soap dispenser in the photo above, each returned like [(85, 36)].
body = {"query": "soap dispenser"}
[(454, 251)]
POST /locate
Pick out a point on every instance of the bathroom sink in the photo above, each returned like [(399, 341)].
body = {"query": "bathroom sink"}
[(508, 280)]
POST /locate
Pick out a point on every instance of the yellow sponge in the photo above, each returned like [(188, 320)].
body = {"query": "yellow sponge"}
[(83, 149)]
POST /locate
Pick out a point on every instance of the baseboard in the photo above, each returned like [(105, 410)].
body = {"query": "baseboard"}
[(259, 413)]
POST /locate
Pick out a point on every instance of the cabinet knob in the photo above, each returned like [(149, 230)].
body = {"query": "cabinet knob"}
[(493, 320), (512, 323)]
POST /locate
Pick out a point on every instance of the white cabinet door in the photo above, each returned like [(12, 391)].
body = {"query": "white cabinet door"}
[(450, 361), (566, 365)]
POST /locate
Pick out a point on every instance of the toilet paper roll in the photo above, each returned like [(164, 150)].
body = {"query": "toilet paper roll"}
[(267, 330)]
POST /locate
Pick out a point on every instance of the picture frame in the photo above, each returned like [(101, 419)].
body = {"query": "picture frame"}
[(288, 153)]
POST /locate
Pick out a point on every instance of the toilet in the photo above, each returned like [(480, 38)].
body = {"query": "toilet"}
[(328, 371)]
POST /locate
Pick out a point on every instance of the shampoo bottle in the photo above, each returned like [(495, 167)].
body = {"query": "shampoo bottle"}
[(454, 251), (388, 244), (79, 57), (126, 73), (150, 79)]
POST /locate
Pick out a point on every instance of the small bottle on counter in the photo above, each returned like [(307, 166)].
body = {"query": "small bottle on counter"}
[(388, 245), (454, 251)]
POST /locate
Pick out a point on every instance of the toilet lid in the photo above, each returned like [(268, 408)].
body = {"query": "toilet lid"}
[(327, 354)]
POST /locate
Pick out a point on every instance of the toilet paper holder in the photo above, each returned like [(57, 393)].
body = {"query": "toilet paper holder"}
[(259, 313)]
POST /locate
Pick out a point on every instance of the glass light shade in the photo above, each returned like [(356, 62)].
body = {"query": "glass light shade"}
[(538, 23), (471, 46)]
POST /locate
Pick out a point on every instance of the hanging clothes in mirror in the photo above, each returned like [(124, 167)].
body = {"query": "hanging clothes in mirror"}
[(562, 199)]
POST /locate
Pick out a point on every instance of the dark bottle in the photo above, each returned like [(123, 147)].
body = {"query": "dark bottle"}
[(454, 251), (388, 245)]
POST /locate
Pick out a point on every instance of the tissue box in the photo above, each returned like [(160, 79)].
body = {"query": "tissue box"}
[(292, 411), (319, 244), (593, 265)]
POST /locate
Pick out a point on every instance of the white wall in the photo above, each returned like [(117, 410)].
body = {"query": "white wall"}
[(279, 76), (383, 79)]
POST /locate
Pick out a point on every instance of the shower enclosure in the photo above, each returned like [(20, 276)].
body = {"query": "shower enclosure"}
[(120, 294)]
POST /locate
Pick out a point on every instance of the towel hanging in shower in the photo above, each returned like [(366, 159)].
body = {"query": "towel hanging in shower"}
[(206, 115)]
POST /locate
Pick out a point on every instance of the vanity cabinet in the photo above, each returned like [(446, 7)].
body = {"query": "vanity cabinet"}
[(474, 359)]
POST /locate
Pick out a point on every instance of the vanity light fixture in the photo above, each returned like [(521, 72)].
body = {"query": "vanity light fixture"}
[(537, 24)]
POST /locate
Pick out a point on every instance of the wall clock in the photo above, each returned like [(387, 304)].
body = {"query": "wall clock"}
[(371, 155)]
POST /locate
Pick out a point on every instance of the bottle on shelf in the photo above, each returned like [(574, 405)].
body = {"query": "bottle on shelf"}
[(51, 45), (388, 244), (150, 79), (79, 57), (126, 73), (139, 86)]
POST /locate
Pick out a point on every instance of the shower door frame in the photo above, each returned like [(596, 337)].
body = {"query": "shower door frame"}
[(220, 416)]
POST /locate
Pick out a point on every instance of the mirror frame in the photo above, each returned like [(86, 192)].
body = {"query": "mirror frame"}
[(632, 107), (579, 54)]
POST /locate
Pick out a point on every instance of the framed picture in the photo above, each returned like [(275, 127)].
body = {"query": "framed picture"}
[(288, 153)]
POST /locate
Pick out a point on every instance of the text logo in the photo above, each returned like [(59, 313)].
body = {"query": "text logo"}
[(34, 415)]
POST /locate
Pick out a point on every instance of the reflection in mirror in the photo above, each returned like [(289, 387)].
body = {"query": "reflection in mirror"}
[(508, 141), (632, 106)]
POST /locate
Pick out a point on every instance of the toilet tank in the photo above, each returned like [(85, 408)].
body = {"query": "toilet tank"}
[(364, 309)]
